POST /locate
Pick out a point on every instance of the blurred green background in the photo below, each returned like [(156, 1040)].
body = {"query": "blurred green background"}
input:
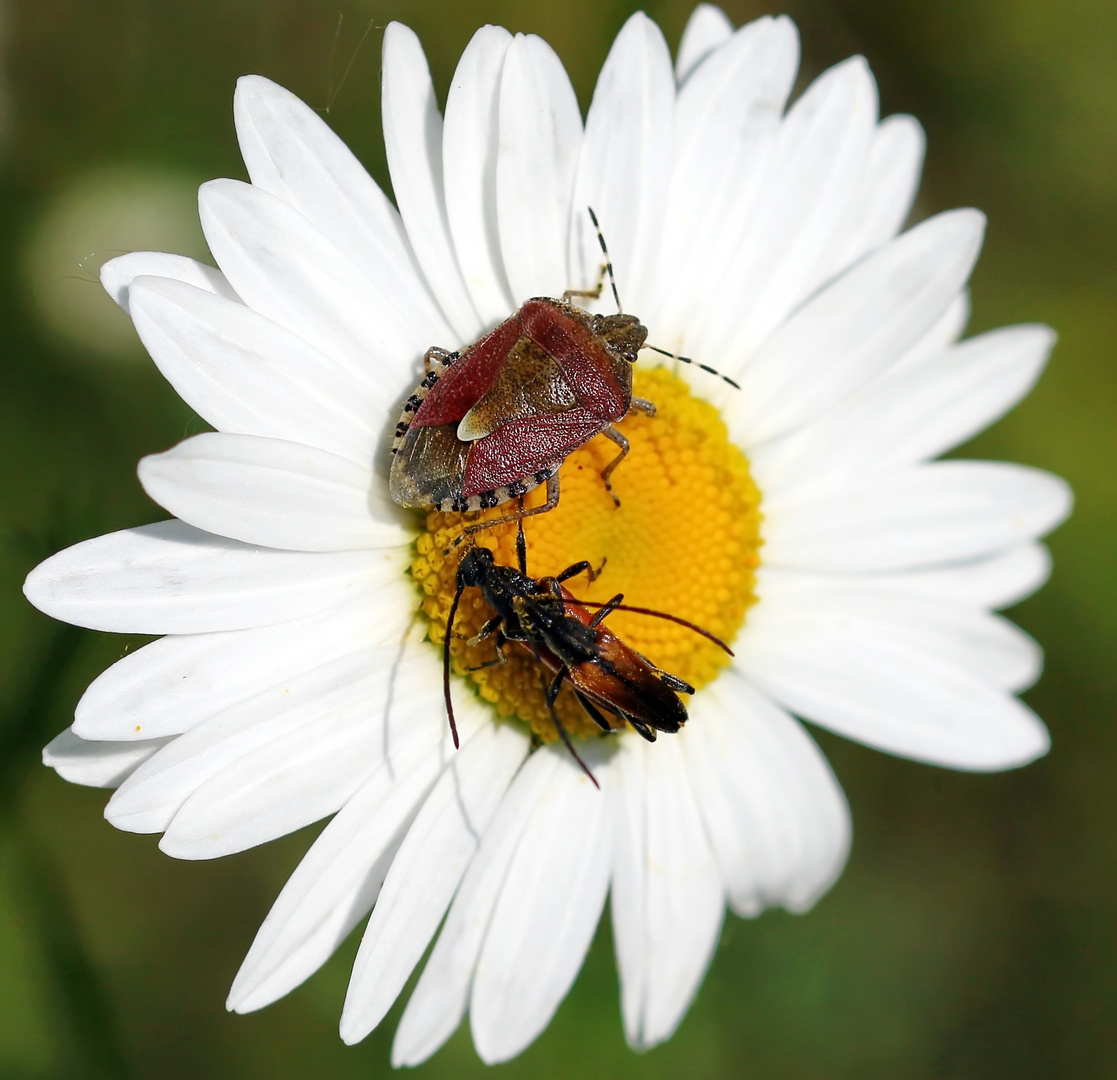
[(973, 933)]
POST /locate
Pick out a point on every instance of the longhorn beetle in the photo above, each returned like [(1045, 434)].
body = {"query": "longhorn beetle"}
[(543, 618), (492, 422)]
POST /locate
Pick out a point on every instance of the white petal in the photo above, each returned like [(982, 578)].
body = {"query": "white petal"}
[(685, 902), (776, 817), (413, 141), (856, 327), (884, 197), (291, 153), (336, 693), (244, 374), (426, 872), (913, 414), (168, 578), (994, 582), (628, 797), (957, 633), (271, 492), (174, 683), (818, 162), (706, 29), (336, 883), (288, 271), (118, 274), (96, 764), (548, 909), (313, 769), (470, 141), (860, 681), (440, 998), (338, 880), (625, 164), (727, 119), (947, 511), (540, 136)]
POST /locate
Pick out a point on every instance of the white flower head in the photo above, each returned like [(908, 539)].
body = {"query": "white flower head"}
[(801, 516)]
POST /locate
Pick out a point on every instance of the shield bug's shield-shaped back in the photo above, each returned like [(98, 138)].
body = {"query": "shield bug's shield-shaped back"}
[(497, 419)]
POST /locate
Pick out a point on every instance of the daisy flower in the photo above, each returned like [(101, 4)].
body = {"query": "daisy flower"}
[(801, 517)]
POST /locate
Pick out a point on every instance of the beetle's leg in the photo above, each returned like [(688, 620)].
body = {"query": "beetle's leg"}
[(501, 656), (673, 682), (612, 433), (607, 610), (550, 504), (490, 628), (642, 729), (556, 721), (556, 685), (592, 711), (642, 405), (438, 360), (574, 569)]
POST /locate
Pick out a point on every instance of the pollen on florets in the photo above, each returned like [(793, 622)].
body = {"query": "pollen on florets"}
[(685, 541)]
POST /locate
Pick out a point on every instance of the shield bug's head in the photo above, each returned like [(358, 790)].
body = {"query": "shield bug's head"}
[(624, 335)]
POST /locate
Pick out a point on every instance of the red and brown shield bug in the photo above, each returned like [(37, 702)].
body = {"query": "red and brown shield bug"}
[(540, 616), (492, 422)]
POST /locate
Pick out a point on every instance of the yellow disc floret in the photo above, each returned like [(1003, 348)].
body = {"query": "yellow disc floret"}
[(685, 541)]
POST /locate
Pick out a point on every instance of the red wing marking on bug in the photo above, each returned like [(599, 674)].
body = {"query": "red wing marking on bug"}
[(496, 420)]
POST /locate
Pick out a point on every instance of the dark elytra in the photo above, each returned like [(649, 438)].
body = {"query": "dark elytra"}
[(564, 638)]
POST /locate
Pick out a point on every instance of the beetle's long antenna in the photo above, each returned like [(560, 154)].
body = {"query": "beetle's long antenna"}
[(658, 615), (687, 360), (446, 665), (608, 261), (554, 716)]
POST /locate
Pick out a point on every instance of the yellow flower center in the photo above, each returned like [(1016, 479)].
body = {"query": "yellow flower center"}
[(685, 541)]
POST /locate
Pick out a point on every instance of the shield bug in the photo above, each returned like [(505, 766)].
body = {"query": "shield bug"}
[(495, 420), (543, 618)]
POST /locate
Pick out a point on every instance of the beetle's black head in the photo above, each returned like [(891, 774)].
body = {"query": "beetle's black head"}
[(475, 567), (623, 334)]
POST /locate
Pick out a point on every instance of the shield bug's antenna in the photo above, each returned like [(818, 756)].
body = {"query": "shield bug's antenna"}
[(608, 261), (695, 363)]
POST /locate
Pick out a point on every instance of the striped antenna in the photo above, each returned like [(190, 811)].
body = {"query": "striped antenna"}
[(608, 261), (695, 363)]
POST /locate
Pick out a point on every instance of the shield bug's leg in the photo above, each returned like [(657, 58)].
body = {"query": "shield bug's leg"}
[(592, 711), (687, 360), (607, 609), (612, 433), (591, 294), (550, 504), (438, 360), (642, 405)]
